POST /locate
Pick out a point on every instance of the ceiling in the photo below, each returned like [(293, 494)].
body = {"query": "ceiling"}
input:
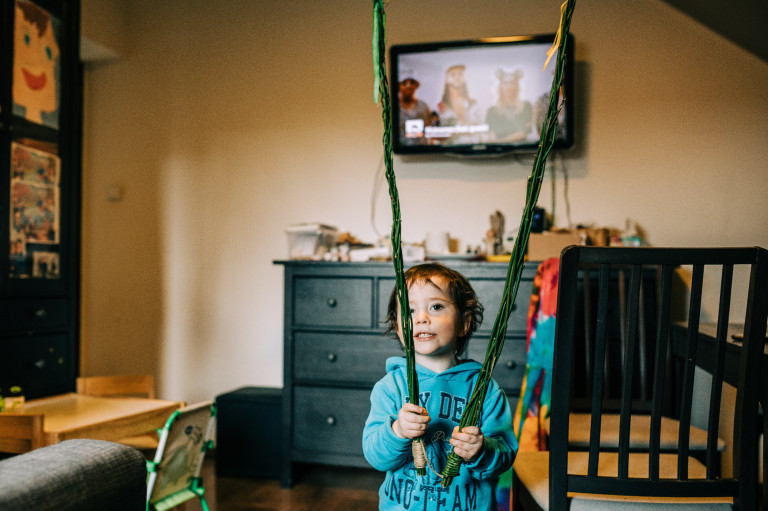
[(743, 22)]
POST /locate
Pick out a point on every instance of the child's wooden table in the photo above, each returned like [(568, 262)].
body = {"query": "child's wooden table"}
[(71, 415)]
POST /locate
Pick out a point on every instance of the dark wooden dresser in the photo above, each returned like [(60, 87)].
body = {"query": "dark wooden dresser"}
[(335, 350)]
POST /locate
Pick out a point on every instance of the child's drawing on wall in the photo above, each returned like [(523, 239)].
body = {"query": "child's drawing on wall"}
[(36, 65)]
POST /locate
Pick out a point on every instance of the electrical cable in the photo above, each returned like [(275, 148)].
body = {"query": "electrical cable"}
[(565, 192)]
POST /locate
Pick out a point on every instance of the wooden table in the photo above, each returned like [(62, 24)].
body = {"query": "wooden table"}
[(68, 416)]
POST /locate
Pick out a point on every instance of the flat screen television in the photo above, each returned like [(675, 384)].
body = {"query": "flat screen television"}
[(477, 97)]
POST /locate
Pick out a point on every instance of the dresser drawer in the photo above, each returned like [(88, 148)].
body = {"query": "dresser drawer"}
[(349, 358), (489, 292), (330, 420), (510, 368), (344, 302), (40, 365), (31, 315)]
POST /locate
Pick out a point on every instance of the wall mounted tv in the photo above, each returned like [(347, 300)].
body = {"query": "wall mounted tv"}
[(477, 97)]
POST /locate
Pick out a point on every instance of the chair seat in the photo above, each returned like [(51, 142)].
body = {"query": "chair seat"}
[(639, 433), (532, 468)]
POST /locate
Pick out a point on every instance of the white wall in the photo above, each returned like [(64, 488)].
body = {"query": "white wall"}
[(224, 122)]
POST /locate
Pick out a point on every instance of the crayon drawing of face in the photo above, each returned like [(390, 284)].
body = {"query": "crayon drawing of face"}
[(36, 55)]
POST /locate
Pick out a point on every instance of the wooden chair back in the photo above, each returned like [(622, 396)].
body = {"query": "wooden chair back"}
[(20, 432), (140, 385), (617, 336), (654, 478), (643, 297)]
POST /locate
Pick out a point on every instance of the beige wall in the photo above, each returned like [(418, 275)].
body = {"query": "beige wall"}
[(224, 122), (103, 34)]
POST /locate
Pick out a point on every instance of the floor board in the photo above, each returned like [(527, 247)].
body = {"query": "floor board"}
[(317, 488)]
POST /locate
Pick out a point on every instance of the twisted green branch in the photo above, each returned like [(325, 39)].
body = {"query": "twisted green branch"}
[(471, 413), (381, 91)]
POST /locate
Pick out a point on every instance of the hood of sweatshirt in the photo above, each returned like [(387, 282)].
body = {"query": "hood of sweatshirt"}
[(464, 371)]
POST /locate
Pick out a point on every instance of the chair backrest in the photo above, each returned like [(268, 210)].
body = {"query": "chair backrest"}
[(175, 469), (617, 336), (667, 384), (21, 432), (140, 385)]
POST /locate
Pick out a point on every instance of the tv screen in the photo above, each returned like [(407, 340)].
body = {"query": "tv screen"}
[(485, 96)]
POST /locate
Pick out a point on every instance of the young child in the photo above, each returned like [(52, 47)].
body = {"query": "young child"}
[(445, 313)]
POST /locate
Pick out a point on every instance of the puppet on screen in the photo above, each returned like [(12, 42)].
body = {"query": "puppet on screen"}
[(36, 65)]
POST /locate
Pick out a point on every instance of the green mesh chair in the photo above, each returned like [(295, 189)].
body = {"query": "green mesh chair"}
[(174, 473)]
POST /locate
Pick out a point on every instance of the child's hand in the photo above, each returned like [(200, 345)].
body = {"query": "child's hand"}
[(411, 421), (467, 443)]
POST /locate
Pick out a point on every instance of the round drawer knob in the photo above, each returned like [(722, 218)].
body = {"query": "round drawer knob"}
[(331, 357), (41, 313), (40, 364), (332, 302), (331, 421), (511, 364)]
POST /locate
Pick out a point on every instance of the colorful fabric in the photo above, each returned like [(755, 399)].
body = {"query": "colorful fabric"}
[(535, 394), (536, 391)]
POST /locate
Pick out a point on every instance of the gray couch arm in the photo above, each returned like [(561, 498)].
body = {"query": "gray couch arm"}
[(73, 475)]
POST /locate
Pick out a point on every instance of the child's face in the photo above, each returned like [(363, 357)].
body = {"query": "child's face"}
[(436, 322)]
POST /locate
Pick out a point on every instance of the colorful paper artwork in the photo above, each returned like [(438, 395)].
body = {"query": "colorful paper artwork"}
[(35, 213), (36, 65)]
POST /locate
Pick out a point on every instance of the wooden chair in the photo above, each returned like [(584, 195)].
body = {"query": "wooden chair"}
[(618, 333), (20, 432), (140, 385), (597, 479), (617, 340)]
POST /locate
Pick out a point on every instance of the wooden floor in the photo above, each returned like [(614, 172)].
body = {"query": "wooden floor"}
[(317, 489)]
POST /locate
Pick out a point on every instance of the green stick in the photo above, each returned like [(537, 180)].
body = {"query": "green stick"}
[(381, 91), (471, 413)]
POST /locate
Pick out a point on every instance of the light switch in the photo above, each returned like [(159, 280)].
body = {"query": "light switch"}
[(115, 193)]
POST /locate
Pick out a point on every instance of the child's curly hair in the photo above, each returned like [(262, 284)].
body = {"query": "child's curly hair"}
[(459, 290)]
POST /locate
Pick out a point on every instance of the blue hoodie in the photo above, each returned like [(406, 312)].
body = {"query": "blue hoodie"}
[(445, 396)]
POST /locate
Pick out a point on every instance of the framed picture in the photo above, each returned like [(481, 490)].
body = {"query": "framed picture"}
[(45, 265), (35, 213), (36, 87)]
